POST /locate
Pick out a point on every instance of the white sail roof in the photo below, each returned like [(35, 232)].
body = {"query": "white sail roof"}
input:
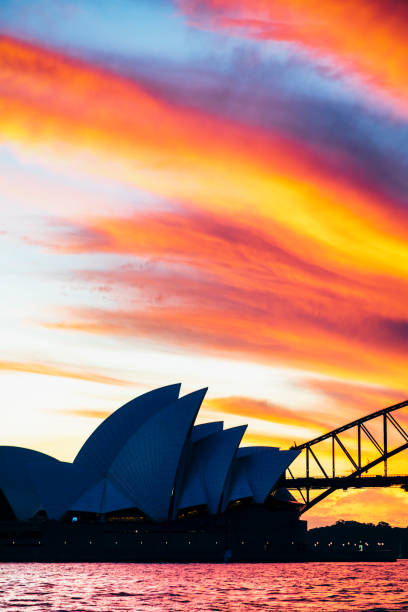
[(146, 455), (205, 429), (58, 484), (102, 446), (209, 467), (16, 481), (284, 495), (193, 491), (146, 467), (103, 497), (262, 467), (239, 487)]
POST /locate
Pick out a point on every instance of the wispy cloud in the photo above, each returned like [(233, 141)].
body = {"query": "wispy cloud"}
[(88, 414), (324, 30), (45, 369), (212, 283), (262, 409), (197, 157)]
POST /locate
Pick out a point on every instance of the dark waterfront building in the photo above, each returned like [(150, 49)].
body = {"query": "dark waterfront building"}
[(148, 484)]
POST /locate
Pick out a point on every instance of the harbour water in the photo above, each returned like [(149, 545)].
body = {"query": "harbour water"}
[(108, 587)]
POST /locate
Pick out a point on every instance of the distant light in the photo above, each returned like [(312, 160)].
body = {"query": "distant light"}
[(74, 519)]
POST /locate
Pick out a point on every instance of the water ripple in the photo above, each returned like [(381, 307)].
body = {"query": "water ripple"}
[(103, 587)]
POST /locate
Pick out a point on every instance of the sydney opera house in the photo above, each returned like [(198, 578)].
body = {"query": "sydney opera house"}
[(149, 484)]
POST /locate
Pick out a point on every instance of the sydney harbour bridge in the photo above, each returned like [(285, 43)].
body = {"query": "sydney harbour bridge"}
[(318, 473)]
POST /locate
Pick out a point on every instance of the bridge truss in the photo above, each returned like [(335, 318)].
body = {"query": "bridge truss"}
[(328, 479)]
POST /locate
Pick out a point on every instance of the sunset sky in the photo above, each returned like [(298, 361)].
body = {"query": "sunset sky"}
[(211, 192)]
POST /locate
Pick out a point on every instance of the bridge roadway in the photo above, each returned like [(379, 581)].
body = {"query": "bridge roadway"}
[(344, 482)]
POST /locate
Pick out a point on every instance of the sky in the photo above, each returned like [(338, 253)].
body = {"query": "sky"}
[(210, 192)]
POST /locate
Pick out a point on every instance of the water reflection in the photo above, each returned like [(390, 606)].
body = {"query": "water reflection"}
[(108, 587)]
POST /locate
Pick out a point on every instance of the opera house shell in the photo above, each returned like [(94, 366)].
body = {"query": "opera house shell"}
[(149, 462)]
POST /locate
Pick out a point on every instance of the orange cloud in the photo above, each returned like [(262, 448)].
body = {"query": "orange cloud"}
[(326, 29), (269, 414), (88, 414), (61, 372), (262, 409), (228, 333), (352, 401), (66, 106), (233, 289)]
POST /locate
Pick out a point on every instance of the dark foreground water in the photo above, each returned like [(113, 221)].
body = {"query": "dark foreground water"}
[(171, 587)]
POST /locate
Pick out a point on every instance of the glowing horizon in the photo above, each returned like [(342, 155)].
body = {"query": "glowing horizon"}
[(209, 192)]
